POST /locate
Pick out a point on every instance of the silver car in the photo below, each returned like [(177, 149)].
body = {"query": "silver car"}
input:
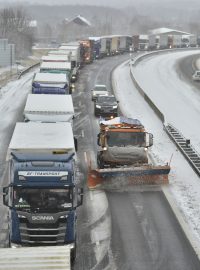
[(99, 89)]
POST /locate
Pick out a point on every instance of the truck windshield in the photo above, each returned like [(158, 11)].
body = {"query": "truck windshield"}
[(126, 139), (30, 199)]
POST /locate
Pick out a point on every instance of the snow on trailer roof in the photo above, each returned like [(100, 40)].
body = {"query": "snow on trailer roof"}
[(69, 47), (50, 78), (27, 258), (52, 57), (56, 65), (60, 104), (121, 120), (42, 137), (72, 43), (60, 52)]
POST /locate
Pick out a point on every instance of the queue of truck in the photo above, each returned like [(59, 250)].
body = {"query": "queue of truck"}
[(164, 41), (42, 193)]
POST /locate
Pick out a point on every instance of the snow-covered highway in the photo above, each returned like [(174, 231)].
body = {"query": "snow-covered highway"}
[(160, 78), (124, 230)]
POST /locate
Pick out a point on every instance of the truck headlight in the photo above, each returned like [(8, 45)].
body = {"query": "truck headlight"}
[(98, 106), (115, 107)]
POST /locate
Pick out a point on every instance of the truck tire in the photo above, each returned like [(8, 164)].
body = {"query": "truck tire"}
[(73, 253), (100, 161)]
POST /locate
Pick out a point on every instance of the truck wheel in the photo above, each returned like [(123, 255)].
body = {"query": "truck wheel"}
[(100, 162), (73, 254)]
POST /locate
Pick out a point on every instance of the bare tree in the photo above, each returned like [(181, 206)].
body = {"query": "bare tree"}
[(15, 26)]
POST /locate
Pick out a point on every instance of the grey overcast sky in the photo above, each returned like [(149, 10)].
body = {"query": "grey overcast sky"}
[(73, 2), (113, 3)]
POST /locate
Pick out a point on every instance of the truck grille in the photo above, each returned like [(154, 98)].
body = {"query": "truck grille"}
[(42, 234)]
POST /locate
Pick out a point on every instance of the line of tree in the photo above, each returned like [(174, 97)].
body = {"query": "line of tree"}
[(15, 26)]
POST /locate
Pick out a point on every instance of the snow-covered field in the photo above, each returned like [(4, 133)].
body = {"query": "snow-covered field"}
[(180, 103), (12, 97)]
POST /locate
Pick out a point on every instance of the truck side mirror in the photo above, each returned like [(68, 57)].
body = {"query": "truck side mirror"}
[(6, 196), (98, 139), (149, 140), (80, 196), (76, 144)]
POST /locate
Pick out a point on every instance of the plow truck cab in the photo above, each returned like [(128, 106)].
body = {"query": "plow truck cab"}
[(123, 141), (122, 159)]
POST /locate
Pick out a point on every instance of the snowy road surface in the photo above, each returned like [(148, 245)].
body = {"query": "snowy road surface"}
[(145, 233), (99, 248), (158, 76)]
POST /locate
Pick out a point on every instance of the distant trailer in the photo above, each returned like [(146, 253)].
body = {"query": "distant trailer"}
[(176, 41), (163, 42), (103, 49), (114, 49), (152, 43), (136, 43), (122, 43)]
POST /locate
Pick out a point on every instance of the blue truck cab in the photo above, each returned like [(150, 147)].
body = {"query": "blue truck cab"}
[(42, 196)]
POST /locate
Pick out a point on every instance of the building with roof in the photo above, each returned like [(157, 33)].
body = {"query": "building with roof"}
[(167, 31)]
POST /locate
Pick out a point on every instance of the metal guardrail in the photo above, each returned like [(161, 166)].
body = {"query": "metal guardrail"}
[(192, 156), (189, 152), (147, 98), (27, 70)]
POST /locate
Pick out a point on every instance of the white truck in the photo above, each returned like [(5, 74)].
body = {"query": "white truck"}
[(74, 54), (55, 67), (49, 83), (152, 42), (193, 40), (103, 49), (177, 41), (49, 108), (122, 43), (114, 47), (35, 258), (163, 42)]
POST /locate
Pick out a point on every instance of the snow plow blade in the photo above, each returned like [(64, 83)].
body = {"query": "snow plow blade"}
[(119, 177)]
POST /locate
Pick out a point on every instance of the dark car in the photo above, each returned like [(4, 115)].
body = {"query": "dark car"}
[(106, 106)]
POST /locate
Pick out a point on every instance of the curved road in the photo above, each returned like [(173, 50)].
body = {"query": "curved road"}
[(145, 233)]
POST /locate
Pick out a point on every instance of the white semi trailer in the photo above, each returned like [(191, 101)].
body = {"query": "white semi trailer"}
[(49, 108)]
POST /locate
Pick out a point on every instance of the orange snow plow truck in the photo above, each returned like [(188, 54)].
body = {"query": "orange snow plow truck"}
[(123, 156)]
